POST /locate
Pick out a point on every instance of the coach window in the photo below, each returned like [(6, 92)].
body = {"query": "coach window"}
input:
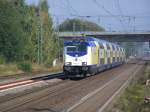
[(108, 47), (117, 48), (113, 47), (101, 45)]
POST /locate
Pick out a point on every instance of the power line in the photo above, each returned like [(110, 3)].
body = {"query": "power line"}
[(123, 19), (71, 8), (120, 11), (107, 11), (106, 16)]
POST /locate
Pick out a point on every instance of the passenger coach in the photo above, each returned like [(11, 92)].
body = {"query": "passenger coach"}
[(86, 56)]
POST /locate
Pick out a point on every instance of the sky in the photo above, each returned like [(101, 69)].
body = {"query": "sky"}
[(113, 15)]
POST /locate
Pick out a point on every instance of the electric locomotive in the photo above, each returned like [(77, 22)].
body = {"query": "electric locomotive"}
[(86, 56)]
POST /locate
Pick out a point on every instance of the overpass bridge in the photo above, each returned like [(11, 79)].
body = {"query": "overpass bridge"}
[(110, 36)]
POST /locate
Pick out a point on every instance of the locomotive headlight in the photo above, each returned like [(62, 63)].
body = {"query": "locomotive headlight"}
[(67, 68), (68, 63), (84, 63), (85, 68)]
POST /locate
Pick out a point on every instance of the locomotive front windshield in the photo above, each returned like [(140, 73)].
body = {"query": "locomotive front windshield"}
[(71, 49), (77, 48)]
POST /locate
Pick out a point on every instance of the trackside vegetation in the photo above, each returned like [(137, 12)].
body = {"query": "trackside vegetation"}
[(25, 66), (28, 36), (132, 99), (76, 25), (26, 31)]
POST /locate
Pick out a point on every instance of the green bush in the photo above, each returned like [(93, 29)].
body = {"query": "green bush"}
[(2, 60), (25, 66)]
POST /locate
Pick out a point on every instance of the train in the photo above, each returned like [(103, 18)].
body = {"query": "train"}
[(86, 56)]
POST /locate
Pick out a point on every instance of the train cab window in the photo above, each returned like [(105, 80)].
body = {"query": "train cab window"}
[(77, 48), (82, 48), (71, 49)]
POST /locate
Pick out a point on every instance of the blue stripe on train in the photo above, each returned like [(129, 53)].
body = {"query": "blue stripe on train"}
[(102, 67)]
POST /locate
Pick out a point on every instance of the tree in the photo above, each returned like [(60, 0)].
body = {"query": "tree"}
[(49, 40), (25, 30), (11, 32), (79, 25), (30, 28), (28, 23)]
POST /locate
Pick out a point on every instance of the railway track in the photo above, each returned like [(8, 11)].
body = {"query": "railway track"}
[(106, 93), (66, 94), (29, 81), (48, 91), (20, 88)]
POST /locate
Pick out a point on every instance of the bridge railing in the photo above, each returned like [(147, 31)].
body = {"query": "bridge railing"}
[(62, 34)]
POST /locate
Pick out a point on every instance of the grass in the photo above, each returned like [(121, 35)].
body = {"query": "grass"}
[(42, 68), (13, 69), (9, 69), (132, 99), (25, 66)]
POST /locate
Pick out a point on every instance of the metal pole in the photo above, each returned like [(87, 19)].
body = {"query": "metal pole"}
[(38, 36), (74, 27), (110, 27), (41, 37), (134, 24), (58, 38), (38, 46)]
